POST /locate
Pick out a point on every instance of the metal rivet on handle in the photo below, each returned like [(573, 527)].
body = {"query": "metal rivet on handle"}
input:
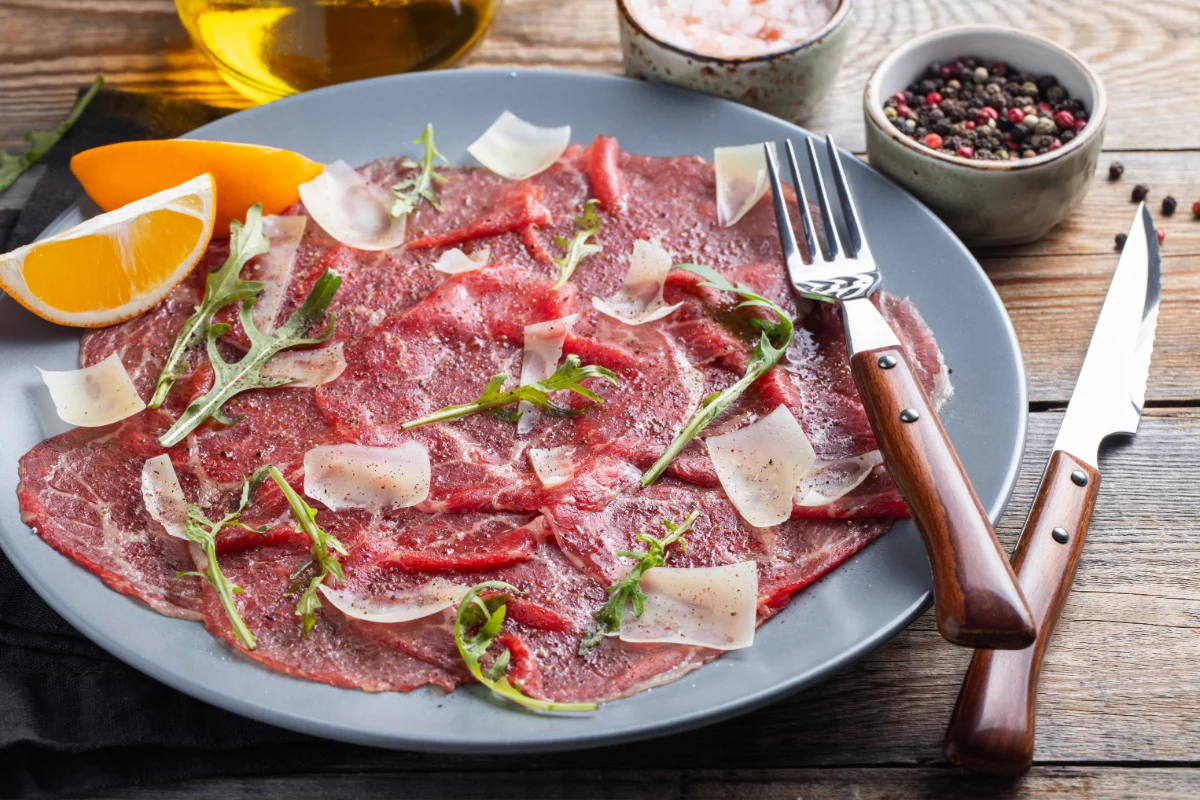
[(909, 415), (886, 362), (1079, 477), (1060, 535)]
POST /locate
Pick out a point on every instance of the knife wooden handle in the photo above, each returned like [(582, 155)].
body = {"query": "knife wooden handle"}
[(975, 591), (991, 729)]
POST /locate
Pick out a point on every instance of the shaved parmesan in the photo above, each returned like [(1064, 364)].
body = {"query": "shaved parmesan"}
[(516, 149), (308, 367), (760, 466), (543, 349), (742, 180), (826, 481), (275, 267), (640, 298), (163, 495), (435, 596), (553, 467), (351, 210), (357, 476), (93, 396), (706, 607), (454, 261)]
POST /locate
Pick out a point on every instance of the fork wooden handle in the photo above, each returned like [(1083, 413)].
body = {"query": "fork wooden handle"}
[(975, 592), (992, 727)]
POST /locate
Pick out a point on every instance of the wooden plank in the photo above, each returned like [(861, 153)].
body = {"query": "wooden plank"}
[(1139, 47), (1084, 783)]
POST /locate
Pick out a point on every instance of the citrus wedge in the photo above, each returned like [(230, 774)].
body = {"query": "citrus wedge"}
[(245, 174), (117, 265)]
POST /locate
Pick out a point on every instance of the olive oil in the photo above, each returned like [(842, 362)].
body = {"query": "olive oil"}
[(270, 48)]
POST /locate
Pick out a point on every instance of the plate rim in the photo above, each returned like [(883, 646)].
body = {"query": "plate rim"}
[(229, 699)]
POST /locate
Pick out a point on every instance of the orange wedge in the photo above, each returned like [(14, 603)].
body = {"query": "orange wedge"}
[(117, 174), (117, 265)]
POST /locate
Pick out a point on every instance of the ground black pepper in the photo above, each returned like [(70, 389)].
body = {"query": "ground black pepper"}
[(986, 111)]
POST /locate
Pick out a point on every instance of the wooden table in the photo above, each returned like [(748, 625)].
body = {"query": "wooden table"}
[(1119, 714)]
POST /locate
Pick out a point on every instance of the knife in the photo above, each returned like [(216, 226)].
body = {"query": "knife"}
[(992, 727)]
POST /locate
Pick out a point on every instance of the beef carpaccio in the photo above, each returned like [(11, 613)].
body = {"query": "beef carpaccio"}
[(415, 340)]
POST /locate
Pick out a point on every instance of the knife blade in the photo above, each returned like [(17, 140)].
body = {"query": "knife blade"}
[(992, 727)]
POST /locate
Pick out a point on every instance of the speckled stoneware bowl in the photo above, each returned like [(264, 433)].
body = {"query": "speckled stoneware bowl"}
[(988, 202), (789, 84)]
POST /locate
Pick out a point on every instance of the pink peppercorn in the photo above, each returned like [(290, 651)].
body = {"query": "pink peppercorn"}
[(999, 68), (969, 124), (965, 152), (1055, 144), (933, 98), (1065, 120), (946, 71), (1196, 209), (986, 113), (933, 141), (900, 98), (1080, 124), (903, 111), (1160, 234), (1015, 115), (1044, 108)]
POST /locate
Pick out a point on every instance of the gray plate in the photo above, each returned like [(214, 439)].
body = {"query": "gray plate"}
[(828, 626)]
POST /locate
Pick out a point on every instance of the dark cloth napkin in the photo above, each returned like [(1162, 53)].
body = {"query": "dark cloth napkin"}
[(72, 718)]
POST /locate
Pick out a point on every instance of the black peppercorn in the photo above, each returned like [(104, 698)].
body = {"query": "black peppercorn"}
[(1168, 206), (1139, 192), (1121, 241), (1115, 170)]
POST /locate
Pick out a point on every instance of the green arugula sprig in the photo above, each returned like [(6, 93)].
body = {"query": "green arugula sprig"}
[(629, 589), (40, 142), (587, 225), (489, 615), (409, 192), (246, 374), (222, 287), (567, 376), (324, 546), (203, 531), (772, 344)]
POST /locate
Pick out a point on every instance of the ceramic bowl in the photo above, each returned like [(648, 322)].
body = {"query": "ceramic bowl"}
[(988, 202), (789, 84)]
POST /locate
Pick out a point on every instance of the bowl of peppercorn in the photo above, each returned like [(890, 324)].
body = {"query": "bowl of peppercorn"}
[(997, 130)]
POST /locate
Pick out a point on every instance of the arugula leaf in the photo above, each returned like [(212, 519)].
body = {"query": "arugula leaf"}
[(629, 588), (222, 287), (567, 376), (199, 529), (324, 546), (587, 225), (412, 190), (233, 379), (489, 614), (772, 344), (40, 142)]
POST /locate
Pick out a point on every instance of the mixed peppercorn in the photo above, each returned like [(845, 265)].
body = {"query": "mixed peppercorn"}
[(1115, 170), (986, 111)]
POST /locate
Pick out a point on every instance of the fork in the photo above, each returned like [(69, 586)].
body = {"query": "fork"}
[(976, 595)]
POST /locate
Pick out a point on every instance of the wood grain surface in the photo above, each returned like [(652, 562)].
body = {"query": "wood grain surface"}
[(1119, 711)]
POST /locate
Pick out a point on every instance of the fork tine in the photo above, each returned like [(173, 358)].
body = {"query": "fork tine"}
[(858, 239), (831, 235), (810, 234), (787, 238)]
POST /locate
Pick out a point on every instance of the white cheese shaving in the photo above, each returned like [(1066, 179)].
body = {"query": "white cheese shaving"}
[(516, 149), (358, 476), (827, 481), (93, 396), (351, 210), (706, 607), (274, 267), (163, 495), (760, 465), (553, 467), (437, 595), (543, 349), (640, 298), (308, 367), (455, 261), (742, 180)]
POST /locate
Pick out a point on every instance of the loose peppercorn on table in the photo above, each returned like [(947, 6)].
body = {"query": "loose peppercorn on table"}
[(1118, 714)]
